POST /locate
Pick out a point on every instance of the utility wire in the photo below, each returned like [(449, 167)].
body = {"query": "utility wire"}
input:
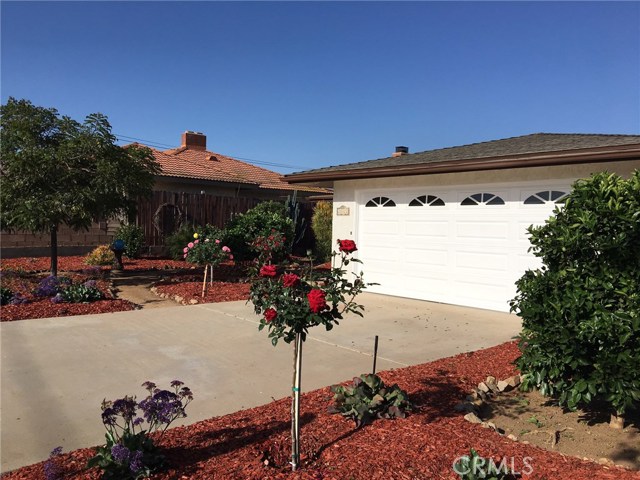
[(151, 143)]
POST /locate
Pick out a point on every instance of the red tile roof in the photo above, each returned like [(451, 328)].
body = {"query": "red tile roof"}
[(200, 164)]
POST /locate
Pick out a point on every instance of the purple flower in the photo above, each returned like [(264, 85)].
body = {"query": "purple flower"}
[(51, 470), (120, 453), (177, 383), (57, 299), (135, 462), (138, 421), (91, 284)]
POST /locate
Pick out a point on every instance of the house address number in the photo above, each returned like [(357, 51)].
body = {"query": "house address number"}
[(342, 211)]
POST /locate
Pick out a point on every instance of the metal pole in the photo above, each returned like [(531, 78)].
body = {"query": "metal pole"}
[(375, 354), (295, 423)]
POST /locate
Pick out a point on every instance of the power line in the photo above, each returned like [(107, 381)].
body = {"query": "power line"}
[(152, 143)]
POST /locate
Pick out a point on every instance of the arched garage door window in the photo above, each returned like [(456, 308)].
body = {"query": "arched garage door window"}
[(540, 198), (380, 202), (483, 198), (427, 201)]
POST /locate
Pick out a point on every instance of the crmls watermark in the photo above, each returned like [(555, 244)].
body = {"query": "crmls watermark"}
[(477, 465)]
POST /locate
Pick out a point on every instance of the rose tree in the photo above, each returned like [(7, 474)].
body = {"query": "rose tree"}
[(206, 252), (290, 302)]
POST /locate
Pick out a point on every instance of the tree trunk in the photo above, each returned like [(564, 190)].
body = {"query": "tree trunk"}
[(295, 403), (54, 250)]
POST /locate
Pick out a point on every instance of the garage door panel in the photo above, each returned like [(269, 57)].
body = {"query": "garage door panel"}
[(481, 231), (481, 261), (427, 229), (420, 258)]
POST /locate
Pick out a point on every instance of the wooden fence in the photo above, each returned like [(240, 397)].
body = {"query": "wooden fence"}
[(164, 212)]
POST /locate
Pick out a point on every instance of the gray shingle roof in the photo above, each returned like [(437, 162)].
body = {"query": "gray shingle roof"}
[(523, 145)]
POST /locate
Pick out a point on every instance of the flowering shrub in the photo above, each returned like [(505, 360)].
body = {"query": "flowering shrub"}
[(129, 452), (269, 246), (291, 303), (51, 285), (206, 251), (52, 470), (101, 255)]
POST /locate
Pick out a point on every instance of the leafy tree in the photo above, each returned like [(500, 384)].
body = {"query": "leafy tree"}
[(56, 171), (581, 311), (321, 223)]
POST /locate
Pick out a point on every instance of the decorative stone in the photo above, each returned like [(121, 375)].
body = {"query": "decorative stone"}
[(481, 394), (605, 461), (490, 379), (473, 396), (513, 381), (511, 436), (472, 418), (504, 386), (193, 301), (483, 387)]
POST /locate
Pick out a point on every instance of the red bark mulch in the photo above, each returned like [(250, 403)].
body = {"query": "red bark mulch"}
[(76, 264), (191, 292), (43, 308), (422, 446)]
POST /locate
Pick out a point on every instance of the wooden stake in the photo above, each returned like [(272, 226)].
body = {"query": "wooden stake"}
[(204, 282), (295, 404), (375, 354)]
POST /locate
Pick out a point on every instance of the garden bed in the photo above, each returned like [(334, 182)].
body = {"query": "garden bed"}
[(77, 264), (254, 443), (32, 306)]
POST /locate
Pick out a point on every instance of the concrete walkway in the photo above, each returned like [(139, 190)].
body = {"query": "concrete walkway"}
[(55, 372)]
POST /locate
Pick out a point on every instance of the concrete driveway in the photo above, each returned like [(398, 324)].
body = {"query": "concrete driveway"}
[(55, 372)]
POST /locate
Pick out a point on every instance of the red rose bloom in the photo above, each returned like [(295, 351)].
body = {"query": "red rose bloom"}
[(290, 280), (268, 271), (317, 302), (347, 246), (270, 314)]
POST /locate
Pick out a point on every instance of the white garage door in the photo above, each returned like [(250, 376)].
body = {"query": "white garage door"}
[(466, 246)]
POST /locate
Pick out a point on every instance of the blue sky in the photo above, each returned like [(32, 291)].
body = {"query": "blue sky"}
[(310, 84)]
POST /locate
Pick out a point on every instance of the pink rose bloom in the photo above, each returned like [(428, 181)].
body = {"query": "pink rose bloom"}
[(185, 249), (190, 245), (217, 241), (226, 249), (197, 241), (185, 255), (230, 257)]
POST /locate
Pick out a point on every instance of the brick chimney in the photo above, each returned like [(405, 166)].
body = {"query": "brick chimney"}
[(194, 140), (400, 151)]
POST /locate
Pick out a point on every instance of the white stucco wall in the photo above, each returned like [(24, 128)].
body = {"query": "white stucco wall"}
[(344, 196)]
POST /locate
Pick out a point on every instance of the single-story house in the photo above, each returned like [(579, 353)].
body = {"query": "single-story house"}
[(449, 225), (191, 168)]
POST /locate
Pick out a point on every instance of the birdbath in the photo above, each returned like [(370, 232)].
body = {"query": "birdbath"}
[(117, 247)]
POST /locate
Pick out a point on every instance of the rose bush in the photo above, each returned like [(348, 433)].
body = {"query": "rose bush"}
[(304, 300)]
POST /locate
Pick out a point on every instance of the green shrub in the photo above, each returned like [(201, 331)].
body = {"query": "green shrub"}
[(368, 398), (176, 242), (5, 295), (133, 238), (101, 255), (244, 228), (81, 293), (321, 223), (580, 341)]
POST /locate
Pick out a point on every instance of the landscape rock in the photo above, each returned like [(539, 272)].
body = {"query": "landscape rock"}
[(511, 436), (483, 387), (513, 381), (504, 386), (472, 418)]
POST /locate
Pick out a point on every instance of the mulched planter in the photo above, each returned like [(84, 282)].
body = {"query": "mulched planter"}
[(253, 444)]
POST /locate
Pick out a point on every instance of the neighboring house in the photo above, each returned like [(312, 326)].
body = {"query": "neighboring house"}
[(449, 225), (191, 168), (195, 185)]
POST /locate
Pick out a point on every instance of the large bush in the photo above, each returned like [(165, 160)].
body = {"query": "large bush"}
[(133, 238), (260, 221), (581, 311), (176, 242), (321, 223)]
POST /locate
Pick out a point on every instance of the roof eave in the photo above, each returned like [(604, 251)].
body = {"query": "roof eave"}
[(546, 159)]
